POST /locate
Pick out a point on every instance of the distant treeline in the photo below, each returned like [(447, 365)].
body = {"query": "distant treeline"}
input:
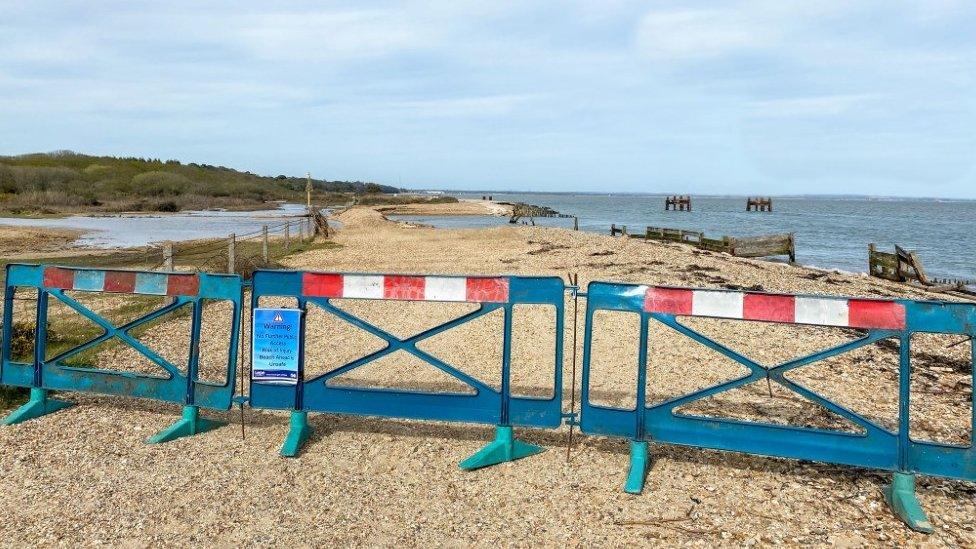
[(65, 181)]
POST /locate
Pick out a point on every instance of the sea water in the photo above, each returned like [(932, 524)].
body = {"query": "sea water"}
[(831, 233)]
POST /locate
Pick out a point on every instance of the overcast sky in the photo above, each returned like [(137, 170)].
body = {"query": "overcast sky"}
[(776, 96)]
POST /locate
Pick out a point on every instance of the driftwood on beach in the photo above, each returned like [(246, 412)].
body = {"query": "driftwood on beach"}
[(753, 246)]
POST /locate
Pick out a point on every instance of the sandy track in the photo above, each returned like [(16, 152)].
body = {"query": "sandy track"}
[(465, 206), (83, 475)]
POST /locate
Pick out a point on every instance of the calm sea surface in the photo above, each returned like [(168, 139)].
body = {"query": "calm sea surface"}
[(830, 232), (141, 229)]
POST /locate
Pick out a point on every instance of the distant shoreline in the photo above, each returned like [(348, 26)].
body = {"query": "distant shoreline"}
[(854, 197)]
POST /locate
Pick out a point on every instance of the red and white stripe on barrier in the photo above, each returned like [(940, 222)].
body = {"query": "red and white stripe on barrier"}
[(821, 311), (125, 282), (412, 288)]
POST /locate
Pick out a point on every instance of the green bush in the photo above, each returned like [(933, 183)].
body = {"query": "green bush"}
[(167, 206), (22, 340), (160, 184), (8, 183)]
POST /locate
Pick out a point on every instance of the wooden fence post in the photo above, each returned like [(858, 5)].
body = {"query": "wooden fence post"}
[(168, 255), (287, 235), (575, 223), (231, 255), (871, 250), (264, 243)]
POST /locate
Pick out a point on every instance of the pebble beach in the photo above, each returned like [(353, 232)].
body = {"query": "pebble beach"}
[(84, 475)]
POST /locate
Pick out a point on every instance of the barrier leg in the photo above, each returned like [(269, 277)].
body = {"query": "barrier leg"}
[(638, 467), (503, 448), (298, 433), (38, 405), (900, 495), (191, 424)]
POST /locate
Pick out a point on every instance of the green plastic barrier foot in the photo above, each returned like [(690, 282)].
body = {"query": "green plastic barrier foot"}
[(638, 467), (503, 448), (38, 405), (900, 495), (297, 434), (191, 424)]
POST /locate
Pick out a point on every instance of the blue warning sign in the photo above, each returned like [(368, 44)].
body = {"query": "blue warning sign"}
[(275, 341)]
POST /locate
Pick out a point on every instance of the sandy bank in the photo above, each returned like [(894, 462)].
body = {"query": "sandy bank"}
[(369, 481), (466, 206), (16, 241)]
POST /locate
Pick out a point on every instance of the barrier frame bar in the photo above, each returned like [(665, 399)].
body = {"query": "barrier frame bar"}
[(877, 447), (486, 405), (45, 374)]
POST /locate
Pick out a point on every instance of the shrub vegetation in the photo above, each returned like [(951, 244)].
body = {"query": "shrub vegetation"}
[(64, 181)]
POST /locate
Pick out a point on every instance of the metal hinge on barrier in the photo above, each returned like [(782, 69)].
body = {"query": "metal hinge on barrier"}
[(571, 418), (241, 399)]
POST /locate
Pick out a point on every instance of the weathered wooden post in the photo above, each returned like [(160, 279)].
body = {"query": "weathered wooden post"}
[(575, 223), (231, 253), (168, 255), (871, 250), (301, 231), (792, 248), (264, 243), (613, 229), (623, 230), (287, 235)]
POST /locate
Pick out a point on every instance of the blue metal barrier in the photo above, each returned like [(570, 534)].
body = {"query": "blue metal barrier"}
[(44, 373), (486, 405), (877, 447), (660, 422)]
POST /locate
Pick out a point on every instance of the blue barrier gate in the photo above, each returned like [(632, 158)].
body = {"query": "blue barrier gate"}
[(486, 405), (876, 448), (44, 373)]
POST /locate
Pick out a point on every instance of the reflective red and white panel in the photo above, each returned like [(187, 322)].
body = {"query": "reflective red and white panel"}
[(820, 311), (125, 282), (412, 288)]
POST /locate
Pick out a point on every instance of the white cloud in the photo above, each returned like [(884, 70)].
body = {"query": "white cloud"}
[(296, 36), (825, 105), (700, 33)]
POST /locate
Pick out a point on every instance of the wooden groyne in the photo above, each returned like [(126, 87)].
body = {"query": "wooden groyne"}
[(900, 266), (905, 266), (521, 209), (678, 203), (752, 246)]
